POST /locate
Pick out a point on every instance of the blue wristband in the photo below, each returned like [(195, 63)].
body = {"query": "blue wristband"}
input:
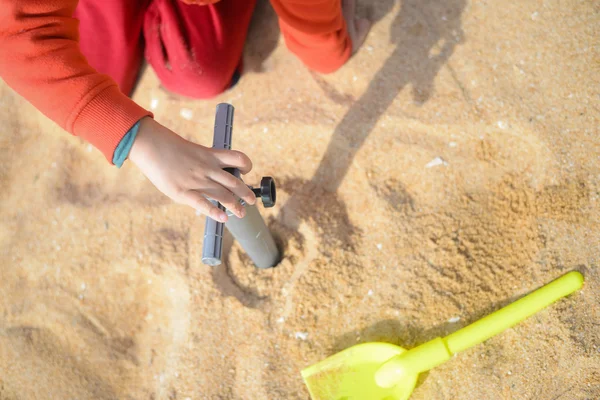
[(122, 151)]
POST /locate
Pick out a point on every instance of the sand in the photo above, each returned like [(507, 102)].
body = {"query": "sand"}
[(451, 166)]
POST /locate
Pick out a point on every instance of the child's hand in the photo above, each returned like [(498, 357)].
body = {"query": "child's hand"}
[(357, 27), (187, 172)]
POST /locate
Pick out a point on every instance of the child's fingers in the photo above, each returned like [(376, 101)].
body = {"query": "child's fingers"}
[(228, 199), (235, 185), (200, 203), (234, 159)]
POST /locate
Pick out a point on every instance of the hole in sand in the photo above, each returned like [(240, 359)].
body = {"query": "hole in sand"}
[(265, 283)]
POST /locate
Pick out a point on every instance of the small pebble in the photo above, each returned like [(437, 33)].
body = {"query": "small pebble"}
[(301, 335), (510, 373), (280, 320), (379, 246), (265, 129), (186, 113), (370, 292), (454, 319), (436, 162), (502, 125)]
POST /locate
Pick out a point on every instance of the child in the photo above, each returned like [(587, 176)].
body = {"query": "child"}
[(78, 62)]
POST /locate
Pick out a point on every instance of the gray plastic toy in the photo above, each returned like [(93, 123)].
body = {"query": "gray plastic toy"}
[(250, 231)]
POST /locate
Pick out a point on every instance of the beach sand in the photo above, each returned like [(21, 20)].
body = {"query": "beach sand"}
[(450, 167)]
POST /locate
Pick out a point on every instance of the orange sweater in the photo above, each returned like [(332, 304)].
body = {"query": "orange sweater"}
[(40, 59)]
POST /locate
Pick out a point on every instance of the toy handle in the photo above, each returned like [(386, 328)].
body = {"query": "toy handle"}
[(491, 325), (439, 350), (212, 245)]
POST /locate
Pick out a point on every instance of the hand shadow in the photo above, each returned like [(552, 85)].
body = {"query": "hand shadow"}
[(425, 34)]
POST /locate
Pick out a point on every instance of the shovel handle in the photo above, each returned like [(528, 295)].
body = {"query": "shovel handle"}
[(506, 317), (439, 350)]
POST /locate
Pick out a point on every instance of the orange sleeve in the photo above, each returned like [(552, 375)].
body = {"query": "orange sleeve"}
[(40, 59), (200, 2), (315, 31)]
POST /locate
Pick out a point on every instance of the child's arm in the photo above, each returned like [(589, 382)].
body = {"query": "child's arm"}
[(40, 59), (322, 33)]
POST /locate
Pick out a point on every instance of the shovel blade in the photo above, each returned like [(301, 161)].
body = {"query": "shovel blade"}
[(350, 375)]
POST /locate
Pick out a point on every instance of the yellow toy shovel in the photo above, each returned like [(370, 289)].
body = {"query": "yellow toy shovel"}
[(382, 371)]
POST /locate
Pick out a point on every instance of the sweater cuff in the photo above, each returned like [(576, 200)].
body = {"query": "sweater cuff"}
[(324, 54), (106, 118), (316, 32)]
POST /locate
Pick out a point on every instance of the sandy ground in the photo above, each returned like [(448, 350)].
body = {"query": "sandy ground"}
[(450, 167)]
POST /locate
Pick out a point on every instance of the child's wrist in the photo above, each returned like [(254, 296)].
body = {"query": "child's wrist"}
[(142, 146)]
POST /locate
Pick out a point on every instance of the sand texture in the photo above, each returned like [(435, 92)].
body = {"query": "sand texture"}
[(450, 167)]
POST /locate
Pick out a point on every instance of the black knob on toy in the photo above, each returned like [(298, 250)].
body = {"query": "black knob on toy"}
[(266, 192)]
